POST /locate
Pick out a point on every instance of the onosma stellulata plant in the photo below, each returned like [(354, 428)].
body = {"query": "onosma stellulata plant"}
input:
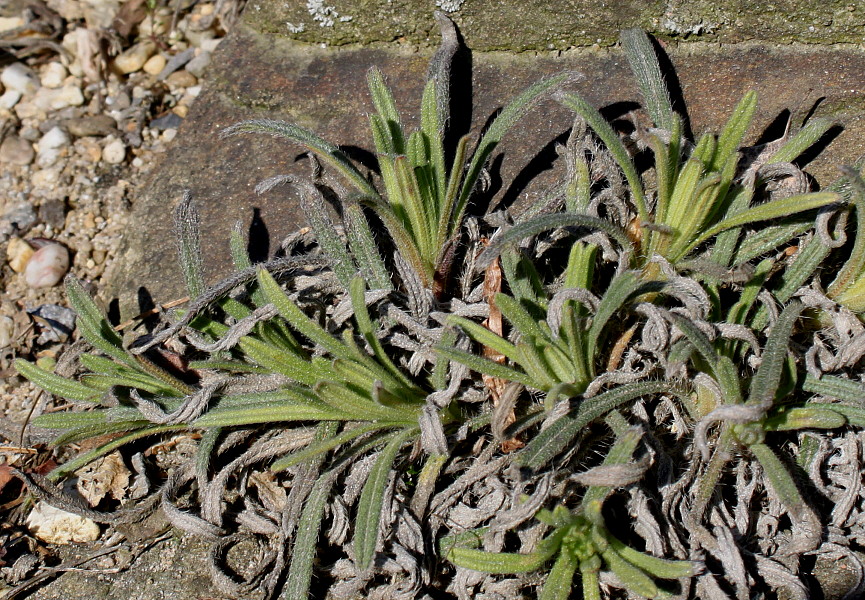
[(619, 388)]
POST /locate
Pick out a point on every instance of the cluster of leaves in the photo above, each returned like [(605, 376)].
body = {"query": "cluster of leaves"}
[(359, 351)]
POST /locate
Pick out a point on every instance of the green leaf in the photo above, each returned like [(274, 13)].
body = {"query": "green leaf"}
[(269, 412), (95, 327), (72, 419), (448, 221), (303, 551), (367, 329), (103, 449), (579, 272), (503, 563), (774, 209), (509, 115), (804, 139), (804, 265), (96, 430), (306, 540), (657, 567), (386, 107), (488, 367), (835, 387), (633, 579), (102, 383), (371, 498), (766, 380), (667, 159), (543, 223), (401, 237), (277, 360), (230, 366), (615, 146), (591, 581), (805, 417), (327, 152), (644, 64), (621, 288), (363, 247), (188, 229), (518, 316), (55, 384), (561, 578), (433, 127), (680, 206), (322, 446), (316, 211), (781, 480), (536, 365), (765, 240), (548, 443), (855, 415), (358, 405), (289, 311), (726, 153), (419, 221)]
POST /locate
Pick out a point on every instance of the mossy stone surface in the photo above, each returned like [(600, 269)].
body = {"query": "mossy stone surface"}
[(541, 25)]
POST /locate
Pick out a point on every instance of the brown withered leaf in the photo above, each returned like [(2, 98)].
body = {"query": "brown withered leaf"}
[(496, 385), (272, 495), (106, 476)]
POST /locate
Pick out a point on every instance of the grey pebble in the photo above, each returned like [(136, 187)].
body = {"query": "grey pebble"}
[(176, 62), (31, 134), (16, 151), (99, 125), (48, 125), (197, 65), (119, 102), (53, 212), (169, 121), (56, 322), (21, 216)]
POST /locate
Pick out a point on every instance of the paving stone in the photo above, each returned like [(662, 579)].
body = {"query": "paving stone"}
[(256, 75)]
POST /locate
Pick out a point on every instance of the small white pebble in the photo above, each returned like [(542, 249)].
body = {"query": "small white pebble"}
[(47, 266), (9, 99), (169, 134), (114, 153), (20, 78), (53, 138), (50, 146), (54, 75), (137, 162), (7, 329), (48, 99), (10, 23), (55, 526)]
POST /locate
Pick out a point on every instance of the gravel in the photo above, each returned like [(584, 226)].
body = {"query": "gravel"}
[(91, 95)]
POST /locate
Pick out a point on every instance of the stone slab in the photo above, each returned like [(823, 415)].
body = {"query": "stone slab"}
[(257, 75), (539, 25), (175, 569)]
